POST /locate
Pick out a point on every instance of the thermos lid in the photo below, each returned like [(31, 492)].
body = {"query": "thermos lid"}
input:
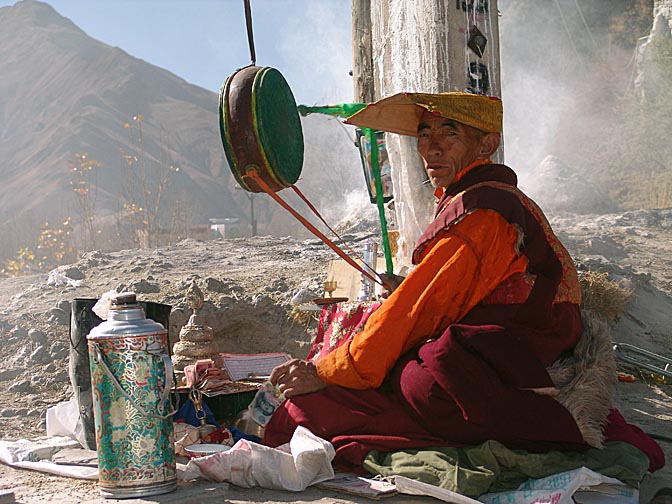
[(124, 300)]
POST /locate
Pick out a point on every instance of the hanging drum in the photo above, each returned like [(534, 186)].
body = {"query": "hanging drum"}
[(260, 128)]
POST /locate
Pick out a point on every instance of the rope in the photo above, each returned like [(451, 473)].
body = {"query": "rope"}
[(252, 174), (250, 36), (569, 34), (314, 210), (583, 19)]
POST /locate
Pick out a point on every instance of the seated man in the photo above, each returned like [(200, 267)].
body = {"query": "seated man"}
[(457, 354)]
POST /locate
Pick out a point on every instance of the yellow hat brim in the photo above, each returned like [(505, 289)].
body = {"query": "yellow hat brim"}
[(401, 113)]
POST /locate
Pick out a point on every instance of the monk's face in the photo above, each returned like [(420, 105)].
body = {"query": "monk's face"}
[(447, 146)]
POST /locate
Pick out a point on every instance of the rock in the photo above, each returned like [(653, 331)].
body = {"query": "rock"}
[(20, 386), (39, 355), (37, 336), (160, 265), (58, 351), (37, 380), (61, 376), (64, 305), (605, 247), (226, 302), (18, 332), (214, 285), (89, 263), (262, 302), (59, 277), (59, 316), (277, 285), (183, 285), (144, 287), (73, 272), (25, 351), (9, 374)]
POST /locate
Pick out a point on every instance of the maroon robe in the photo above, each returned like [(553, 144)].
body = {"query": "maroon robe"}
[(468, 385)]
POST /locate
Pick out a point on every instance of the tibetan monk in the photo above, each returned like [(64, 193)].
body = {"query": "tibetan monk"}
[(457, 354)]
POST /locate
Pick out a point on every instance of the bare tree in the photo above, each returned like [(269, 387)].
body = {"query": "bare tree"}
[(82, 170), (146, 183)]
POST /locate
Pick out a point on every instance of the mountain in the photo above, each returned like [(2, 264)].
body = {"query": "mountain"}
[(63, 92)]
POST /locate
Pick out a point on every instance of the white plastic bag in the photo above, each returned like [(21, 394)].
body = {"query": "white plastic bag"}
[(578, 485), (102, 306), (64, 420), (304, 461)]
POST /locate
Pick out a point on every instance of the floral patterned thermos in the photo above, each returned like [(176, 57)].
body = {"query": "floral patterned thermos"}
[(131, 378)]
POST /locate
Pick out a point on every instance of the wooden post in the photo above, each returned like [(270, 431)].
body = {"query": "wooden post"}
[(362, 59)]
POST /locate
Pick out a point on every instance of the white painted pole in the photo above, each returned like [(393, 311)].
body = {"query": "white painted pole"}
[(423, 46)]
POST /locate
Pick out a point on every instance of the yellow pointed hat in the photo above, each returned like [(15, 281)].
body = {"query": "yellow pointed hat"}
[(401, 113)]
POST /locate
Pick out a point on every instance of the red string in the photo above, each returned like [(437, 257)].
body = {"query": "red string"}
[(314, 210), (261, 183)]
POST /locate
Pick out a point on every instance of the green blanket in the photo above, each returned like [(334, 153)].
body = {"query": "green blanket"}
[(491, 467)]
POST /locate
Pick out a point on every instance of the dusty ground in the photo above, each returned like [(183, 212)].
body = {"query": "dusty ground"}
[(248, 285), (38, 488)]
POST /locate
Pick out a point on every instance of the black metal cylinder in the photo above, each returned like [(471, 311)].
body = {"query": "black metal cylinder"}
[(82, 320)]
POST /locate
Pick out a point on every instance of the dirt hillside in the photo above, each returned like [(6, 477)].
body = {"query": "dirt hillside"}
[(248, 286)]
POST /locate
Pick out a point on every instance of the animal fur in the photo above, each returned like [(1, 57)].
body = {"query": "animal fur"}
[(587, 380)]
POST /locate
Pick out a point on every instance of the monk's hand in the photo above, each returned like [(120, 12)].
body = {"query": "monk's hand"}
[(390, 283), (296, 377)]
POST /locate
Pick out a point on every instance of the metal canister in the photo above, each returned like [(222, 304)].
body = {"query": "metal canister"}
[(131, 379), (368, 288)]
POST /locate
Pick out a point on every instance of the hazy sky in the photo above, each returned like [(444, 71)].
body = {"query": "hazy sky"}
[(308, 41), (204, 41)]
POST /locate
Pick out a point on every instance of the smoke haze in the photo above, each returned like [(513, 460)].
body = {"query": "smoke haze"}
[(568, 74)]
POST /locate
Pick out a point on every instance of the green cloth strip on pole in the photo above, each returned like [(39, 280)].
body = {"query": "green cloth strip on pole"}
[(340, 110), (371, 135), (346, 110)]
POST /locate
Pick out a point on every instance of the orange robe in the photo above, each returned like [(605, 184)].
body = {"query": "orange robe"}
[(493, 300), (455, 273)]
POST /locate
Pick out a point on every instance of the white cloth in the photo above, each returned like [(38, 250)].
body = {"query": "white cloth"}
[(35, 454), (304, 461)]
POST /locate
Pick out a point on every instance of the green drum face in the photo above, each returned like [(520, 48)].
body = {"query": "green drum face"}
[(260, 128), (278, 125), (136, 455)]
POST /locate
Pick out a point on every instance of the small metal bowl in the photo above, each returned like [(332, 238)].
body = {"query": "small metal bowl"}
[(205, 449)]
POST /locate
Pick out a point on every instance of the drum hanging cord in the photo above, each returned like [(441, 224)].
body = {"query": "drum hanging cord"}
[(314, 210), (252, 174), (250, 36)]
